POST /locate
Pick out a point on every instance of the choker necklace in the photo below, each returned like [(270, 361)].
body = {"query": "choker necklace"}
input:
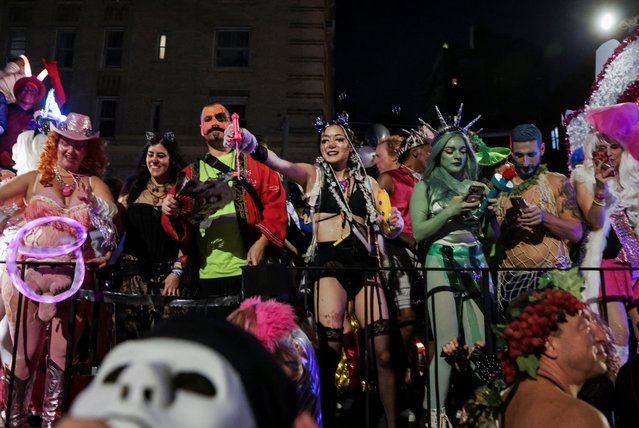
[(159, 187), (67, 189), (157, 191)]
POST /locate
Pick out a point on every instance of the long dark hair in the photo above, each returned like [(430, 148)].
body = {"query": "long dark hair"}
[(142, 176)]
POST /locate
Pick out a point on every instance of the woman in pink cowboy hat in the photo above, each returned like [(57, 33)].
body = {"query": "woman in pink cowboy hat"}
[(65, 184)]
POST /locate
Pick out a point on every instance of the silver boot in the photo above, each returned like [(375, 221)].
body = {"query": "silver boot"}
[(53, 393), (20, 399)]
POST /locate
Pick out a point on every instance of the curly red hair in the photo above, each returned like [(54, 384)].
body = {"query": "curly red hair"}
[(94, 163)]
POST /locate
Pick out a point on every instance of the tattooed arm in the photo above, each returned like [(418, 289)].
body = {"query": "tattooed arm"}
[(568, 224)]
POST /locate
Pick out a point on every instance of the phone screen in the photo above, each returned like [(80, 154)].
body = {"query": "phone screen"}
[(519, 203), (475, 194)]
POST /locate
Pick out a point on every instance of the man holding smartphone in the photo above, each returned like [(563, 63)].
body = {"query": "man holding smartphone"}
[(539, 219)]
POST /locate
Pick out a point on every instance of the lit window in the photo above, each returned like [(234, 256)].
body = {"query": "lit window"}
[(232, 48), (162, 47), (554, 138), (113, 47)]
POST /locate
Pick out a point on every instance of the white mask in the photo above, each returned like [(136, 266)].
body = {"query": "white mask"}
[(150, 383)]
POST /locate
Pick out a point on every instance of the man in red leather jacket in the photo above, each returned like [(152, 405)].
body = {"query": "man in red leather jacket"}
[(241, 232)]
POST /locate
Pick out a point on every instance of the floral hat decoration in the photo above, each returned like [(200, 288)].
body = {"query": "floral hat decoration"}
[(534, 319)]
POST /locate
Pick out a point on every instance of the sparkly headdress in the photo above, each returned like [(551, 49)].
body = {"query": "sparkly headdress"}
[(341, 120), (616, 83), (415, 138)]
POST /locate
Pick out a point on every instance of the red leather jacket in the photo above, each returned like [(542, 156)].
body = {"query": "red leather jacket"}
[(271, 222)]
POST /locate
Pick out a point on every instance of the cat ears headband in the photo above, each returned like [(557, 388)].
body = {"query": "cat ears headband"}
[(153, 138)]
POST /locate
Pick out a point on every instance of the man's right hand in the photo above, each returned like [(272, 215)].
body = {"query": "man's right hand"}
[(531, 216), (170, 206)]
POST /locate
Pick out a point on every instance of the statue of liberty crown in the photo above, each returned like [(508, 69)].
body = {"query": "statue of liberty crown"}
[(455, 126)]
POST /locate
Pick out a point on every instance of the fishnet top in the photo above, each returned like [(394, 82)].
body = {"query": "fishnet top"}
[(528, 247)]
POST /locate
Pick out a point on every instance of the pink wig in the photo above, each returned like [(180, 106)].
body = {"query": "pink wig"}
[(274, 320)]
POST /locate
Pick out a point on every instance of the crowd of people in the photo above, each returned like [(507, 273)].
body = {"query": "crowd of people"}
[(406, 247)]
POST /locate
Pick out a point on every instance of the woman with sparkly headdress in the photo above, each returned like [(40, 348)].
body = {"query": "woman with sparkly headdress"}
[(607, 189), (606, 127), (151, 262), (342, 199), (445, 216), (66, 184)]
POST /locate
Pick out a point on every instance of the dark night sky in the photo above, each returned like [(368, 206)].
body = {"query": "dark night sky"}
[(386, 51)]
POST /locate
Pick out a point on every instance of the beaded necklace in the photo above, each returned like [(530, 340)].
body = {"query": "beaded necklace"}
[(528, 183), (66, 189)]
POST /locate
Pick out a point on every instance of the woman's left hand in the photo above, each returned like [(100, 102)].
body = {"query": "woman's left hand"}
[(171, 285), (100, 262), (395, 220)]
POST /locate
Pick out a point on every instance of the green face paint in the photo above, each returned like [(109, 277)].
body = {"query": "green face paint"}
[(453, 157)]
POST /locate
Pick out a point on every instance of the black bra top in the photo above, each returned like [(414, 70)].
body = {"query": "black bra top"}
[(356, 203)]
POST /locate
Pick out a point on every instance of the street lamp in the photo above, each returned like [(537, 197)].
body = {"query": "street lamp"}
[(606, 21)]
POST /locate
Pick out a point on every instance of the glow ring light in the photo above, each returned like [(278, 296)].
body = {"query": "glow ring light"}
[(15, 248), (59, 250)]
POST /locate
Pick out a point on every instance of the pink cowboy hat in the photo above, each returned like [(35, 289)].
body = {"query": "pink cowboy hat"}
[(619, 122), (76, 127)]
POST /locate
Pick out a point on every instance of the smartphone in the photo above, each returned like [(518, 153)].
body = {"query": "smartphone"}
[(519, 203), (475, 194)]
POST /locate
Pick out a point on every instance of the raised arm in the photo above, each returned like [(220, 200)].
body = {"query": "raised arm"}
[(593, 205), (300, 173), (16, 187), (594, 214)]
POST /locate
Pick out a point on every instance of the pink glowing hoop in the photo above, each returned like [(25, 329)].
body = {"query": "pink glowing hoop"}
[(15, 248)]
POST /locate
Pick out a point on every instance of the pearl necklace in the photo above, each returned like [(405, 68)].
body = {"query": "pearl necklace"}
[(67, 189)]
